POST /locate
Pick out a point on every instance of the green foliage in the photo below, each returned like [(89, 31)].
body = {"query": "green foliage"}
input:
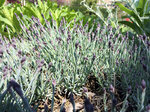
[(139, 15), (39, 9), (107, 15), (2, 3), (76, 5), (8, 22), (42, 10), (69, 55)]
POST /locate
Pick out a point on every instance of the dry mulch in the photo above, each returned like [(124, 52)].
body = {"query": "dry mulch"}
[(94, 95)]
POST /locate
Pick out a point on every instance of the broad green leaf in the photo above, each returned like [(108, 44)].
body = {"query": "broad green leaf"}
[(123, 8), (2, 2), (147, 26), (142, 3), (133, 25), (142, 7), (57, 13), (40, 4), (6, 21), (46, 14), (29, 11), (130, 12), (38, 14), (63, 14), (7, 13)]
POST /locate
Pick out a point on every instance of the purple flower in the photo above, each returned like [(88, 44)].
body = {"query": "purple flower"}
[(17, 17), (71, 98), (40, 63), (5, 69), (94, 56), (54, 82), (68, 39), (144, 67), (5, 74), (23, 60), (14, 46), (144, 36), (148, 108), (50, 64), (148, 43), (80, 47), (1, 53), (21, 14), (122, 60), (85, 58), (85, 89), (76, 44), (42, 15), (117, 63), (98, 26), (19, 52), (63, 60), (44, 43), (88, 106), (143, 84), (114, 102), (16, 87), (127, 35), (129, 89), (112, 89), (109, 44)]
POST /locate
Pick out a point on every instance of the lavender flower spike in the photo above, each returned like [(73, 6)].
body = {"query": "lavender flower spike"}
[(16, 87), (143, 84), (112, 89)]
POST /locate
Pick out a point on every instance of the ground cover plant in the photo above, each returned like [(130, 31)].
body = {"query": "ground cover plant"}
[(70, 55), (57, 59)]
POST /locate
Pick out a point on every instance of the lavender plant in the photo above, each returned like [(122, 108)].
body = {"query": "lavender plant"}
[(69, 55)]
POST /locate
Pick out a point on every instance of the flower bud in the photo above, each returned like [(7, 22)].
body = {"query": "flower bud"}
[(129, 89), (112, 89), (85, 89), (19, 52), (114, 102), (144, 67), (54, 82), (94, 56), (76, 44), (23, 60), (16, 87), (148, 108), (88, 106), (86, 58), (71, 98), (1, 53), (143, 84)]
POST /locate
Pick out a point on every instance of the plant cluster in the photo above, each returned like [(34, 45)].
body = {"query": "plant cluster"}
[(9, 24), (54, 46), (70, 55)]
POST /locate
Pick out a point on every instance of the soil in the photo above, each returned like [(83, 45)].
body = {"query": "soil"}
[(94, 94)]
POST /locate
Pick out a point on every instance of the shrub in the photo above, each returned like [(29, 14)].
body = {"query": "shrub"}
[(69, 55)]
